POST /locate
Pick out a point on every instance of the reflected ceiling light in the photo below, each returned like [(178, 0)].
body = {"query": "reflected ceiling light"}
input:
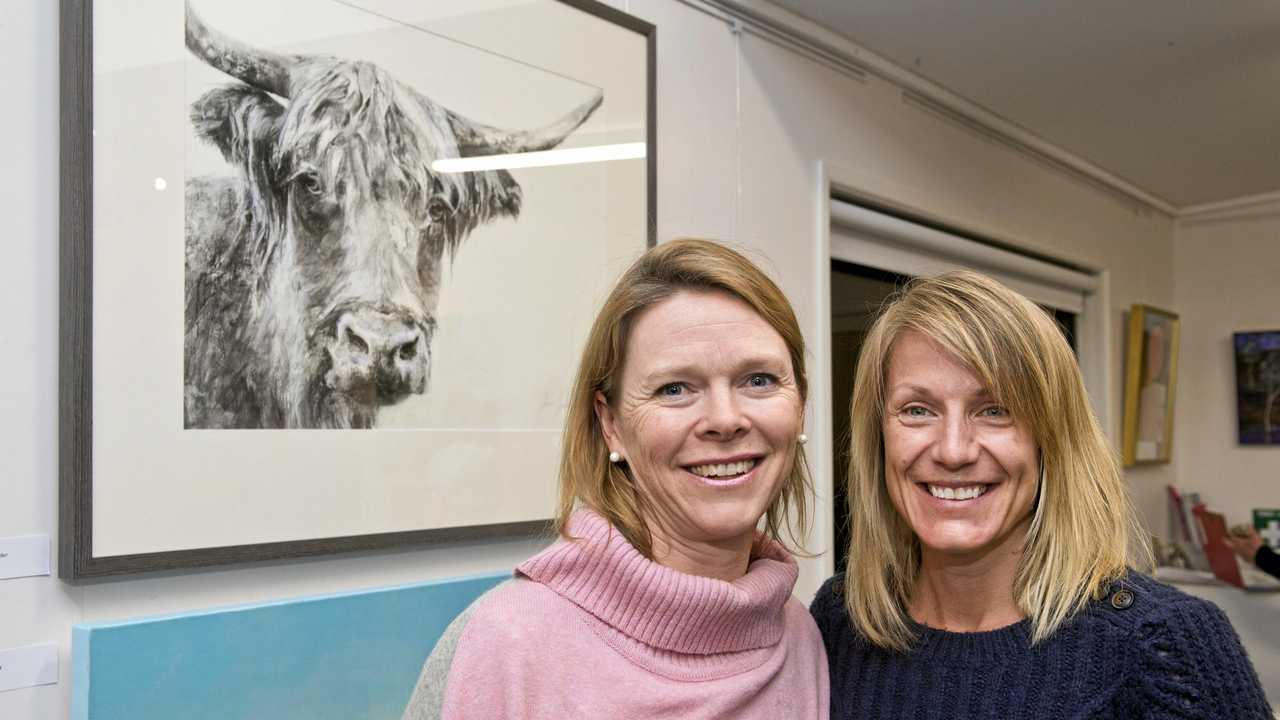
[(544, 158)]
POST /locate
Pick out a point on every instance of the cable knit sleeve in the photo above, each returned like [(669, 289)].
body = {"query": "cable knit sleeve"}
[(1189, 664)]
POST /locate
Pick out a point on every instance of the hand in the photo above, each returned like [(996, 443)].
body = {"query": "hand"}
[(1246, 544)]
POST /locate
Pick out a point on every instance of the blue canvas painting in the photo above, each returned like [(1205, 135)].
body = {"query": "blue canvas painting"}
[(354, 656)]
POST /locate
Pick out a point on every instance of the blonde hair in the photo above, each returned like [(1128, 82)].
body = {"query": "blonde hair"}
[(1084, 532), (586, 475)]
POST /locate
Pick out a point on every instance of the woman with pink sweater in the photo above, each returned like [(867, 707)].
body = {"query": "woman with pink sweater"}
[(661, 599)]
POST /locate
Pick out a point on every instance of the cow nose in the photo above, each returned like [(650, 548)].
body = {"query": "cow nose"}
[(378, 336), (379, 353)]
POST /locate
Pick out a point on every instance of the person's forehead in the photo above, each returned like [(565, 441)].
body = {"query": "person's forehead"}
[(693, 328), (917, 362), (690, 316)]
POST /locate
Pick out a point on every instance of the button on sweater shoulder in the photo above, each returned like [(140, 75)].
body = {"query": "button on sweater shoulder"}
[(1145, 650)]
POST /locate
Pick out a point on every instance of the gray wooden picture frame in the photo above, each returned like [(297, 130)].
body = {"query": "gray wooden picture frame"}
[(76, 558)]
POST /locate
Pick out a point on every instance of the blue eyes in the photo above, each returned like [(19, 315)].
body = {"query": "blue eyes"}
[(755, 381), (671, 390), (920, 415)]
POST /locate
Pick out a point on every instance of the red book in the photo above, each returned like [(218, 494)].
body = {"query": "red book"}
[(1221, 558)]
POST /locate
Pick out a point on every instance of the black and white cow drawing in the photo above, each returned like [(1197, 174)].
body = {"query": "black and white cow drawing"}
[(313, 274)]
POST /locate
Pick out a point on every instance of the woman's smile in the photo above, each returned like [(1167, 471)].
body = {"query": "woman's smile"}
[(706, 417), (961, 471), (957, 494), (726, 473)]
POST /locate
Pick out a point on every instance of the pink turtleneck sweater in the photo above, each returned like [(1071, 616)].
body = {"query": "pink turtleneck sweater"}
[(591, 629)]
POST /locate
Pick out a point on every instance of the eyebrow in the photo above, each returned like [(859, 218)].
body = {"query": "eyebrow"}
[(771, 362), (980, 394), (767, 362)]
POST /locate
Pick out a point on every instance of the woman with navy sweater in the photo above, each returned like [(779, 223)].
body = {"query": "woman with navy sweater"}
[(990, 569)]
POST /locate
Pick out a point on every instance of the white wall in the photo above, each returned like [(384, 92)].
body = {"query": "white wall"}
[(742, 126), (1226, 279), (39, 610)]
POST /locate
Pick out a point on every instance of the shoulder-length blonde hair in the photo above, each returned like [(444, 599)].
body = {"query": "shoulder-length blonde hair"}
[(586, 475), (1084, 532)]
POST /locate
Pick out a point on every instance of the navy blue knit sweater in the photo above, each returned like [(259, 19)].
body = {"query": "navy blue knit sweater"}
[(1153, 652)]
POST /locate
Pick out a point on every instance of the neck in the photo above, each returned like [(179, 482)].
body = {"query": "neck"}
[(972, 592), (723, 560)]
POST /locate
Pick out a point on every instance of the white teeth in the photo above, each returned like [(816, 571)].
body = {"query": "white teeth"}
[(723, 469), (953, 493)]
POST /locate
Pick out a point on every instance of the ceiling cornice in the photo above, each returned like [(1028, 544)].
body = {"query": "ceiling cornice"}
[(1227, 207), (780, 25)]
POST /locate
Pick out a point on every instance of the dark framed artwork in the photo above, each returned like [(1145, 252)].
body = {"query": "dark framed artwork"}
[(1257, 386), (326, 266), (1151, 381)]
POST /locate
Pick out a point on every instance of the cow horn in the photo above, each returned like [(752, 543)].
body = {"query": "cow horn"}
[(475, 139), (262, 69)]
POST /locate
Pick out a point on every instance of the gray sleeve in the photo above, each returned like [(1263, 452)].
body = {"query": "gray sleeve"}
[(428, 696)]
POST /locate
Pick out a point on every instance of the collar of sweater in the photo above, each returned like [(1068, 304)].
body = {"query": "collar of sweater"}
[(603, 574), (988, 645)]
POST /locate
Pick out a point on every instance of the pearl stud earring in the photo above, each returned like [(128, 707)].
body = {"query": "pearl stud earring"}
[(614, 457), (803, 438)]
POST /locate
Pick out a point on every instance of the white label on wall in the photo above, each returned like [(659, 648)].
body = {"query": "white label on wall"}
[(24, 556), (28, 666)]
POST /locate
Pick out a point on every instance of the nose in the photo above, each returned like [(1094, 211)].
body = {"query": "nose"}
[(723, 418), (379, 353), (958, 445), (379, 336)]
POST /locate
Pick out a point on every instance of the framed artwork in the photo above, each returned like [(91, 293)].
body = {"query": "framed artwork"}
[(1151, 374), (1258, 386), (327, 265)]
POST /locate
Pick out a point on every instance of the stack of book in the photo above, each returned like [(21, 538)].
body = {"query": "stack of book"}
[(1185, 529), (1203, 534)]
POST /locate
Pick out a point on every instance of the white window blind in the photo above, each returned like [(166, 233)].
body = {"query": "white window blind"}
[(874, 239)]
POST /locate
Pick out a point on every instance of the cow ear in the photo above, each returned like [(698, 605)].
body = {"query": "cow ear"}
[(501, 193), (485, 195), (239, 120)]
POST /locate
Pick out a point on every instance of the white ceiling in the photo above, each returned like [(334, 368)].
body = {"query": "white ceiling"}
[(1179, 97)]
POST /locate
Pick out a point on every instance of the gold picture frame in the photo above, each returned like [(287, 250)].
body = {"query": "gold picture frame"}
[(1150, 384)]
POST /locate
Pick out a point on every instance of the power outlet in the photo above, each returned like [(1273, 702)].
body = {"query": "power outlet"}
[(24, 556), (28, 666)]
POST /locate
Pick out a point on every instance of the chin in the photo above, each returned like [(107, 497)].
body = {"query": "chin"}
[(728, 524), (957, 541)]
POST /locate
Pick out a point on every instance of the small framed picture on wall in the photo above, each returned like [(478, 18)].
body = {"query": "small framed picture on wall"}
[(1258, 386), (1151, 372)]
